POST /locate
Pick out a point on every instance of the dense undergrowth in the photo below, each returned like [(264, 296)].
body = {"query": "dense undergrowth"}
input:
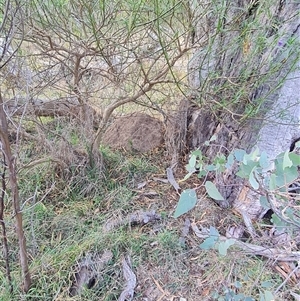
[(64, 217)]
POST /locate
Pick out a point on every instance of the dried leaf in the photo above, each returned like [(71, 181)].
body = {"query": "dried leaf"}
[(171, 179)]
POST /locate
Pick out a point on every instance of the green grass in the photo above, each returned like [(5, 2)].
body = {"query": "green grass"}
[(63, 228), (63, 221)]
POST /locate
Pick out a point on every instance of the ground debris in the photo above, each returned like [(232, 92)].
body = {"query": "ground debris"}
[(130, 278), (279, 254), (137, 217), (88, 270), (185, 231), (234, 232), (172, 180), (165, 181), (289, 271)]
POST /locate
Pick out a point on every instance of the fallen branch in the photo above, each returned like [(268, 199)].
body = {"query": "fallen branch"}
[(138, 217)]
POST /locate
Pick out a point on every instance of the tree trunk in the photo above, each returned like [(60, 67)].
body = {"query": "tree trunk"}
[(10, 161), (240, 92)]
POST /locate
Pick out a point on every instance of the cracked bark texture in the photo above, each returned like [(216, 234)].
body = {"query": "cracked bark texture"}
[(245, 83)]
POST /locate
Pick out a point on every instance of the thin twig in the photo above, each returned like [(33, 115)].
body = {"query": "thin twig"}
[(4, 237), (287, 278)]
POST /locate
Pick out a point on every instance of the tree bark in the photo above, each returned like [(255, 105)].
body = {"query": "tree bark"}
[(239, 83)]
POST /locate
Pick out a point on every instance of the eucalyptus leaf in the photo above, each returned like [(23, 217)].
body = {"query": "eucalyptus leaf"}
[(230, 161), (192, 161), (213, 231), (263, 160), (210, 167), (251, 157), (187, 201), (197, 153), (266, 284), (277, 222), (246, 169), (212, 191), (264, 202), (202, 173), (239, 154), (187, 176), (295, 158), (269, 296), (224, 245), (208, 243), (254, 155), (286, 176), (190, 168), (287, 162), (272, 182)]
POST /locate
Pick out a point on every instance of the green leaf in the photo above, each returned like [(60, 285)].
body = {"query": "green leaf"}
[(199, 166), (192, 161), (263, 160), (202, 173), (241, 174), (269, 296), (264, 202), (213, 231), (286, 176), (212, 191), (254, 156), (246, 169), (224, 245), (295, 158), (290, 213), (197, 153), (286, 160), (272, 182), (252, 179), (187, 176), (190, 169), (239, 154), (251, 157), (230, 161), (208, 243), (266, 284), (210, 167), (277, 221), (187, 201)]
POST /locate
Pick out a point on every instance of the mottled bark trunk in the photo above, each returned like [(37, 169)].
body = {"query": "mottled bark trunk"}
[(239, 82)]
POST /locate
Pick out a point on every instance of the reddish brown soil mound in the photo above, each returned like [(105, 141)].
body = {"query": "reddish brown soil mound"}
[(138, 132)]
